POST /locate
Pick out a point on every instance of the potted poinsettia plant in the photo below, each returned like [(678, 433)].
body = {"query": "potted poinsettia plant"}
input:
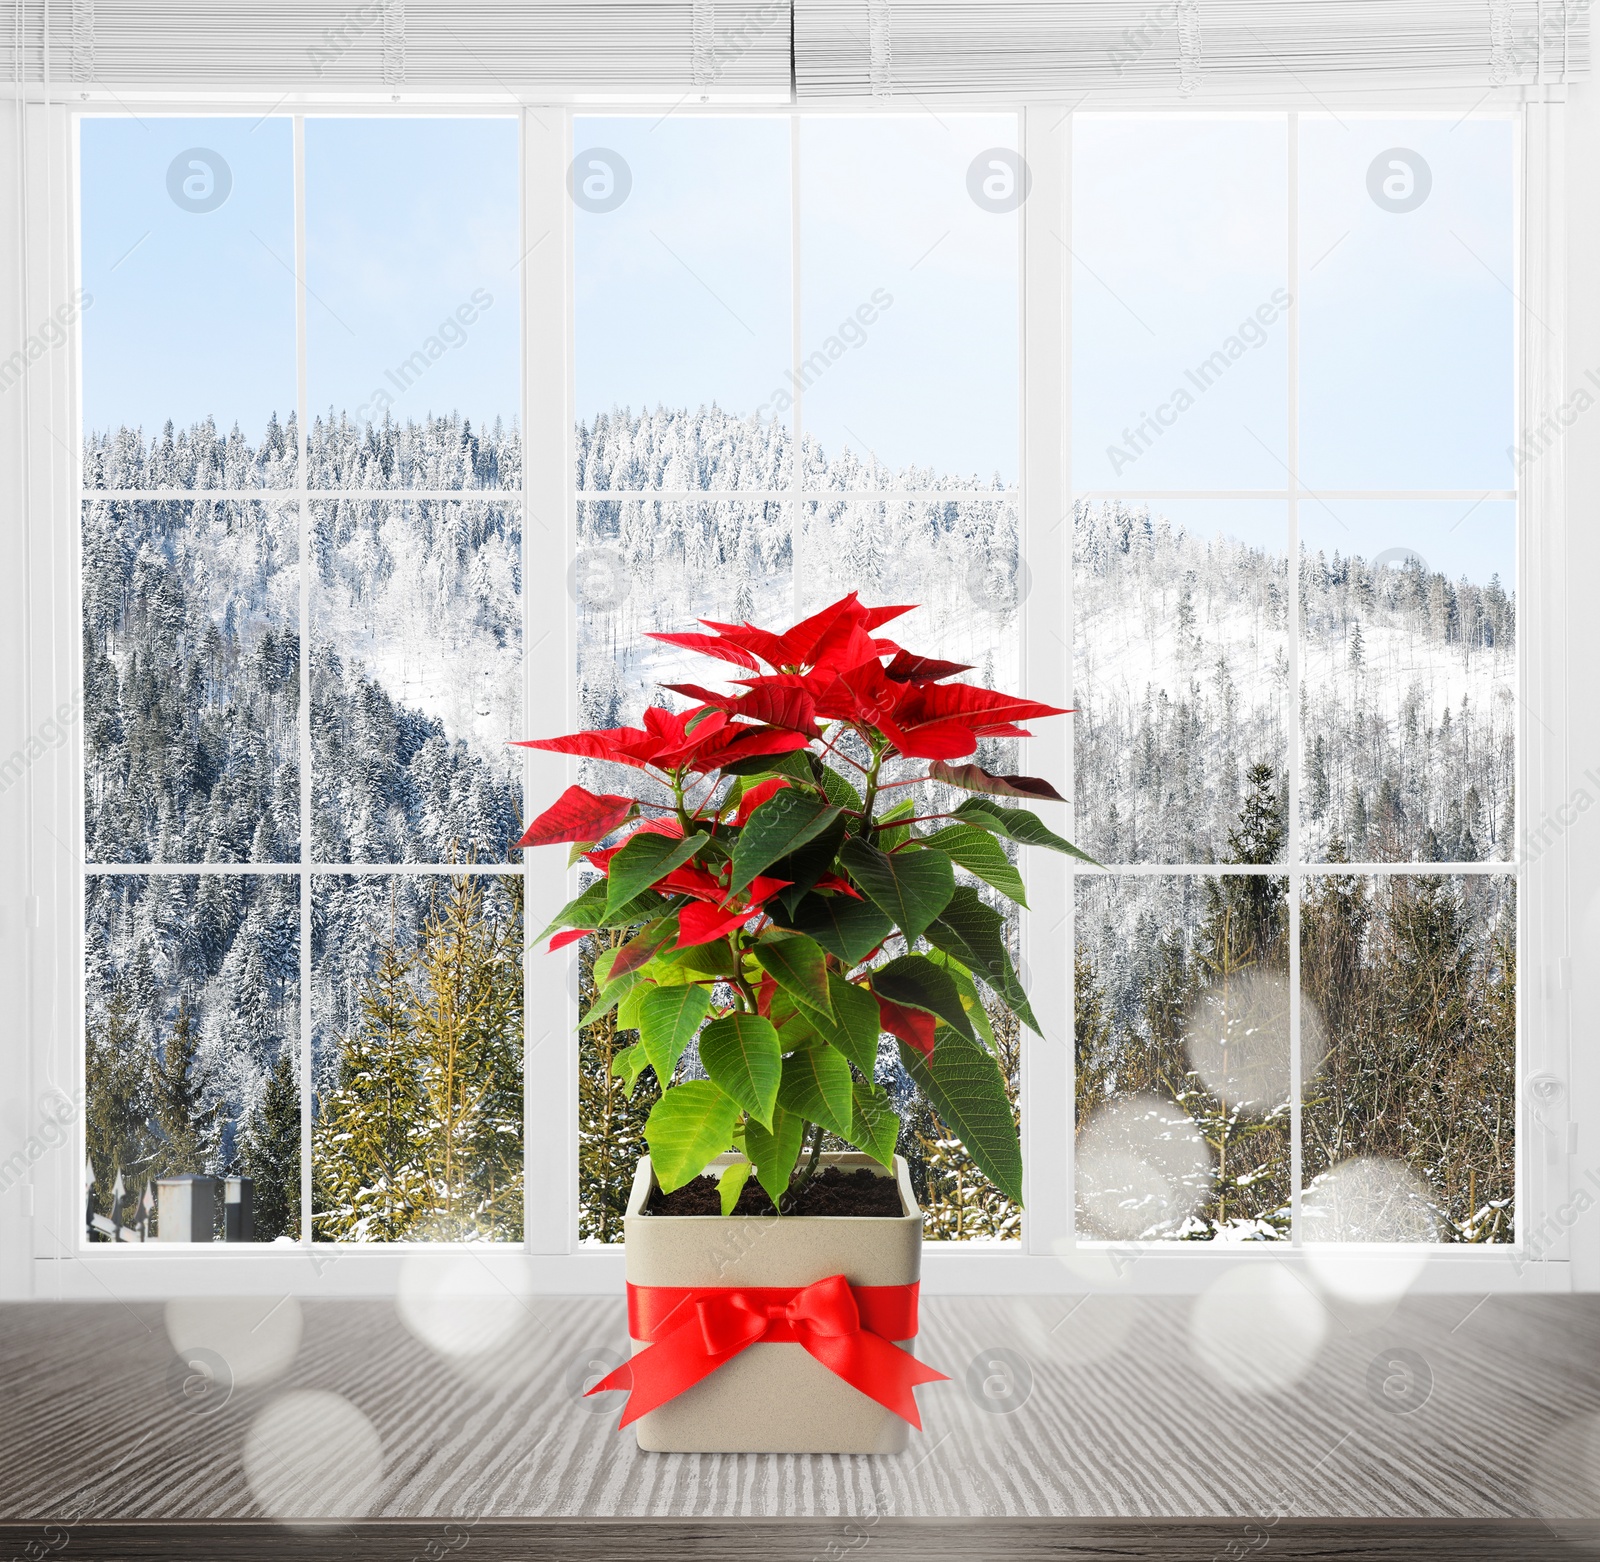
[(786, 906)]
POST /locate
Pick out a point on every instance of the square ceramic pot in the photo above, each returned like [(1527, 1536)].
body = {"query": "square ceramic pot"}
[(773, 1397)]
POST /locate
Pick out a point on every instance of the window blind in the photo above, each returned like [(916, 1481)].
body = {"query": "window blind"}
[(914, 51), (1015, 50), (562, 49)]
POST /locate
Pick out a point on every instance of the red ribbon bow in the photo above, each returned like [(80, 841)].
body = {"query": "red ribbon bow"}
[(850, 1329)]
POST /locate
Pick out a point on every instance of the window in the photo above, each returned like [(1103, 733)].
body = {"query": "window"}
[(303, 917), (320, 582), (1295, 662)]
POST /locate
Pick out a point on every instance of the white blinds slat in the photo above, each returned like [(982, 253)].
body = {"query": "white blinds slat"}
[(552, 47), (1017, 50)]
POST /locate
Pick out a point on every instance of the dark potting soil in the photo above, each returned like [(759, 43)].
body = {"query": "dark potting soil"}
[(830, 1192)]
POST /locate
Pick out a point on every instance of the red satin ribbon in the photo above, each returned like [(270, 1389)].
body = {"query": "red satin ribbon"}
[(850, 1329)]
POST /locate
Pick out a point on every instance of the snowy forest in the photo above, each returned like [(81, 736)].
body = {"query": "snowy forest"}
[(192, 633)]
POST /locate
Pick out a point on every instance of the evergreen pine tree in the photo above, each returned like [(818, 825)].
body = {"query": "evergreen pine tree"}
[(422, 1136), (610, 1121), (178, 1093), (270, 1155), (118, 1101)]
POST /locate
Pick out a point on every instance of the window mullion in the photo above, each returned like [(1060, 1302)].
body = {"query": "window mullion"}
[(549, 1050), (1047, 1095), (302, 404), (1292, 713)]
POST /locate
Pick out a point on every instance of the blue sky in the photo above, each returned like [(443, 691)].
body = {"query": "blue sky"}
[(193, 312), (683, 293)]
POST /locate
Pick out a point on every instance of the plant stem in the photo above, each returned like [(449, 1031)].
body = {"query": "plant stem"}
[(872, 790), (677, 799), (811, 1164)]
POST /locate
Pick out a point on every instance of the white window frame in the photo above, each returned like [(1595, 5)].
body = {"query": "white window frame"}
[(40, 916)]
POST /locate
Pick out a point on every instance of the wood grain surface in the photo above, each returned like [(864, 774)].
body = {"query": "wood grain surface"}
[(1108, 1414)]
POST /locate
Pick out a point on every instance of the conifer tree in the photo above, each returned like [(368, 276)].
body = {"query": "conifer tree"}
[(422, 1135), (178, 1094), (118, 1101), (611, 1118), (270, 1154)]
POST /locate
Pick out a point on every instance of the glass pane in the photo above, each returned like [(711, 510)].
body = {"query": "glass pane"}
[(1181, 660), (1183, 1083), (678, 448), (1180, 296), (908, 347), (1410, 1126), (1407, 263), (647, 565), (192, 1006), (681, 268), (191, 681), (187, 249), (1408, 677), (416, 680), (413, 331), (959, 560), (417, 1058)]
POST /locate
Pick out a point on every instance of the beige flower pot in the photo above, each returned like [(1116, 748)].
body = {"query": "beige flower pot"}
[(773, 1397)]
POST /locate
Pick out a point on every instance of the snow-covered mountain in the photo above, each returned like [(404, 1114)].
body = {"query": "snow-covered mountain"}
[(192, 639)]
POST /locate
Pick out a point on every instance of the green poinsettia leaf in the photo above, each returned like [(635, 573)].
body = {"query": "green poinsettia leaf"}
[(840, 792), (583, 910), (804, 867), (688, 1128), (971, 998), (628, 1065), (629, 1004), (974, 932), (844, 926), (1017, 824), (799, 966), (854, 1027), (795, 765), (965, 1087), (715, 959), (781, 825), (669, 1018), (741, 1054), (874, 1126), (610, 994), (731, 1184), (916, 981), (910, 887), (645, 857), (638, 951), (890, 839), (774, 1153), (982, 856), (816, 1085)]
